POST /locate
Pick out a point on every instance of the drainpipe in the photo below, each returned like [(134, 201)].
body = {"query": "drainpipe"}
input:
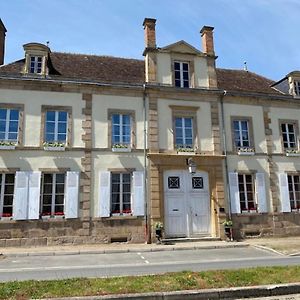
[(147, 227), (228, 196)]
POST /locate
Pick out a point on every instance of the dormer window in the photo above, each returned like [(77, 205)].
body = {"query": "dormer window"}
[(36, 64), (181, 72), (297, 87)]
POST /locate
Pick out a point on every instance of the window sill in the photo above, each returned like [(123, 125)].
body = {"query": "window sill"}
[(6, 218), (245, 153), (125, 149), (186, 153), (52, 217), (249, 211), (7, 147), (49, 148)]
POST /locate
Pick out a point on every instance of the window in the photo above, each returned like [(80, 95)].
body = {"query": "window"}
[(7, 182), (184, 132), (241, 133), (297, 87), (246, 192), (181, 71), (35, 64), (56, 126), (121, 193), (121, 129), (53, 194), (288, 131), (174, 182), (9, 124), (294, 191)]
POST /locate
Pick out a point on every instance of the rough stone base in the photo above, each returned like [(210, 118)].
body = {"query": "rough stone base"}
[(73, 232), (257, 225)]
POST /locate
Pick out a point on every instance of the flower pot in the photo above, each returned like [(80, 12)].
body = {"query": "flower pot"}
[(228, 232), (158, 234)]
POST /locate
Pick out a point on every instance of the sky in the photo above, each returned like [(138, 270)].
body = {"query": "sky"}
[(264, 33)]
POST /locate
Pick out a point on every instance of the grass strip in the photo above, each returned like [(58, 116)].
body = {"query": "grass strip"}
[(153, 283)]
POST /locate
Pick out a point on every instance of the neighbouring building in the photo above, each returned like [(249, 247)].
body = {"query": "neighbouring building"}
[(97, 149)]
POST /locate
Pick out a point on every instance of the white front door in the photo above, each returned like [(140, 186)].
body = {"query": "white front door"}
[(187, 204)]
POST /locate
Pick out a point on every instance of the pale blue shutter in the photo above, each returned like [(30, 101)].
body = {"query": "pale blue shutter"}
[(72, 195), (261, 193), (284, 193), (234, 193), (34, 195), (20, 196), (104, 194), (138, 194)]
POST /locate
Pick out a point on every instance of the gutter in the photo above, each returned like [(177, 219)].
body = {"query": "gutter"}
[(228, 195)]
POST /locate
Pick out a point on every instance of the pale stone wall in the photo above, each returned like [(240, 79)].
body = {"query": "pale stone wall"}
[(33, 101), (164, 73), (201, 72), (277, 114), (101, 105), (256, 113), (165, 123)]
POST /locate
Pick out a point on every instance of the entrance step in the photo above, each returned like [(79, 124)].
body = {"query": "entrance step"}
[(171, 241)]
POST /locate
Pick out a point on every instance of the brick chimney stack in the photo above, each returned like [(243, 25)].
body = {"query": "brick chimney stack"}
[(207, 40), (149, 30), (2, 42)]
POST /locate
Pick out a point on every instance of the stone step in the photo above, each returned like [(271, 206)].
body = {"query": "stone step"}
[(189, 240)]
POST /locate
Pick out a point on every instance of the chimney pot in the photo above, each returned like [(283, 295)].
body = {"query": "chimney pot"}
[(149, 31), (2, 42), (207, 40)]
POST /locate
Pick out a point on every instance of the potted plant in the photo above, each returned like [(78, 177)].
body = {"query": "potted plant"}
[(184, 150), (121, 148), (158, 230), (228, 229), (54, 146)]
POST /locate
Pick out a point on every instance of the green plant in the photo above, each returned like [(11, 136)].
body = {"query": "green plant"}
[(54, 144), (7, 143), (180, 148), (227, 223), (120, 146), (159, 225)]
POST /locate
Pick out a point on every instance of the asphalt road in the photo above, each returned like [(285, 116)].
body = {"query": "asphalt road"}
[(121, 264)]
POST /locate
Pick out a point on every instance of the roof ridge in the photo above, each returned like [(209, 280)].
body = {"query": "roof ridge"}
[(96, 55)]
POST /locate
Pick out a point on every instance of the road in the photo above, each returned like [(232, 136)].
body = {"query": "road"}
[(121, 264)]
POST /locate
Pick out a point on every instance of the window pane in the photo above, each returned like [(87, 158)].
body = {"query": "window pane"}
[(126, 119), (12, 136), (115, 178), (126, 177), (290, 128), (179, 141), (3, 114), (47, 189), (178, 132), (188, 133), (236, 125), (50, 116), (185, 76), (48, 178), (244, 125), (59, 199), (188, 122), (60, 188), (62, 127), (62, 116), (2, 126), (49, 137), (47, 199), (59, 209), (185, 67), (116, 119), (177, 83), (61, 137), (178, 122), (50, 127), (186, 84), (176, 66), (9, 189), (13, 126)]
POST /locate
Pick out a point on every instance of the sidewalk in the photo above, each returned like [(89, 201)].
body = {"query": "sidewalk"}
[(115, 248), (285, 245)]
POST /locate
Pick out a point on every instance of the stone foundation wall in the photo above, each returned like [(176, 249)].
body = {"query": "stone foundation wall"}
[(60, 231), (257, 225)]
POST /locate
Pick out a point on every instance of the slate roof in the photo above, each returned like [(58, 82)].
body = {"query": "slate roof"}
[(108, 69)]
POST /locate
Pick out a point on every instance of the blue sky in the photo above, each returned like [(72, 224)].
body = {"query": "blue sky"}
[(265, 33)]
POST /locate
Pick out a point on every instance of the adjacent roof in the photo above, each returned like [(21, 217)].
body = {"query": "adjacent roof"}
[(107, 69)]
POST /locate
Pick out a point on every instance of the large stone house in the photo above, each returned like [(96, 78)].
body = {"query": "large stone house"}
[(96, 149)]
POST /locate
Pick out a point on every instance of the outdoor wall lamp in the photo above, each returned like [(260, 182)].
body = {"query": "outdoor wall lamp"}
[(192, 165)]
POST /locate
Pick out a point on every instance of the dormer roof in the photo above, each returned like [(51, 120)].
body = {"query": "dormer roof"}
[(182, 47)]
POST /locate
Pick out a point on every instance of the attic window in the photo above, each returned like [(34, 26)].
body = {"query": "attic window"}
[(181, 70), (36, 64), (297, 87)]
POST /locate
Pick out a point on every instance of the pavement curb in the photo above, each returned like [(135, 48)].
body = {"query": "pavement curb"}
[(229, 293), (125, 250), (269, 249)]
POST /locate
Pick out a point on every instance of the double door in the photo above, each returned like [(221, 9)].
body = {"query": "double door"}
[(187, 204)]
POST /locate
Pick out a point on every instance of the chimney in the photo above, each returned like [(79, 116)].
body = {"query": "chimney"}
[(207, 40), (2, 42), (149, 31)]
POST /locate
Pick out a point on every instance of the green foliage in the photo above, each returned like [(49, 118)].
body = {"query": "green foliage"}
[(152, 283)]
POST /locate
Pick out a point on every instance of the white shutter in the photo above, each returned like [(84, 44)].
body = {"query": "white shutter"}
[(261, 193), (72, 195), (20, 196), (284, 193), (138, 194), (104, 194), (34, 195), (234, 193)]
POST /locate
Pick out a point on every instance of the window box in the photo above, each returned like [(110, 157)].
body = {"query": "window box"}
[(185, 150), (121, 148), (245, 151), (292, 153), (7, 147), (54, 146)]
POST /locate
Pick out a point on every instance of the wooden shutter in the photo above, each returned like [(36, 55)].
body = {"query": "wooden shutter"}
[(138, 194), (104, 194), (261, 193), (34, 195), (20, 196), (234, 193), (72, 195), (284, 193)]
